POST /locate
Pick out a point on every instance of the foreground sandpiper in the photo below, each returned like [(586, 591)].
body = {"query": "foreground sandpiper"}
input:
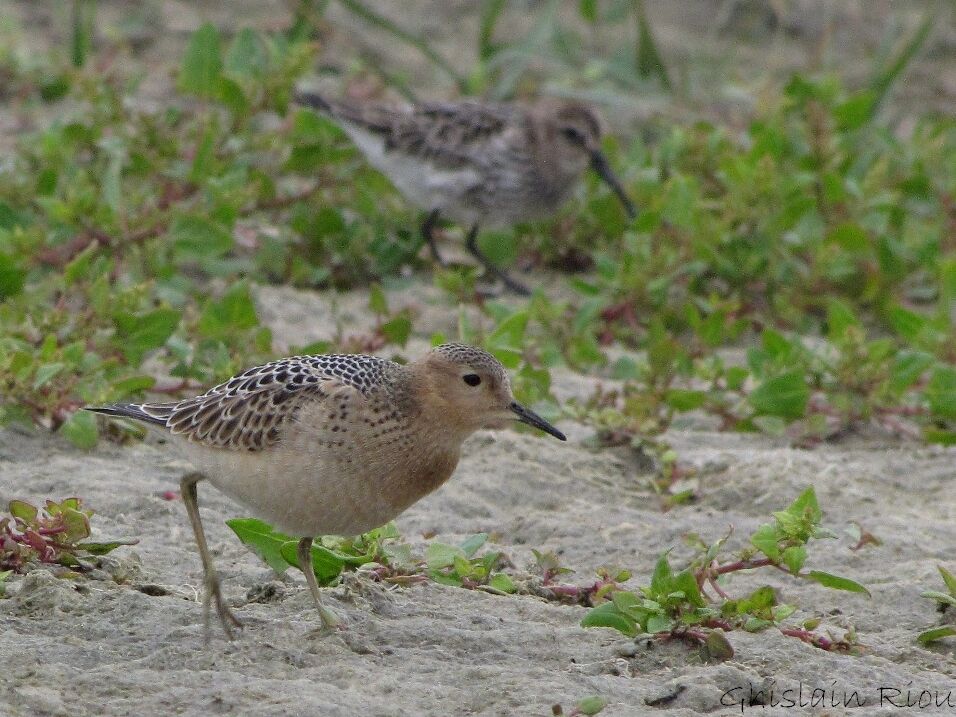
[(479, 164), (332, 444)]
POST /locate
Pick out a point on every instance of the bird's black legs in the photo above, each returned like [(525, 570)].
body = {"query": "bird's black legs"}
[(472, 244), (428, 231)]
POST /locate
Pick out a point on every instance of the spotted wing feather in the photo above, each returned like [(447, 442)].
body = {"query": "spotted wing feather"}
[(447, 134), (248, 411)]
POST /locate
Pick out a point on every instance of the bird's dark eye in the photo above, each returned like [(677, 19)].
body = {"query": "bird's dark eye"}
[(472, 379), (573, 135)]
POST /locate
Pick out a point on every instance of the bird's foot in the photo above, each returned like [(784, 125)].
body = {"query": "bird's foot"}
[(230, 623)]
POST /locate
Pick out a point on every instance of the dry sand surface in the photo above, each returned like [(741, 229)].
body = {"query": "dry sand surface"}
[(95, 646)]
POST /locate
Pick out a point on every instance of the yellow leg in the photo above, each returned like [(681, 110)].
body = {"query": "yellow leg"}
[(212, 591), (304, 552)]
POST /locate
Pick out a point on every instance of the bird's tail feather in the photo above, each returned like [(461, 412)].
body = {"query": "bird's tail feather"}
[(130, 410), (314, 100)]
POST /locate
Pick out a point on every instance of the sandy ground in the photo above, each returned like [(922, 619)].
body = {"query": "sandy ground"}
[(128, 640)]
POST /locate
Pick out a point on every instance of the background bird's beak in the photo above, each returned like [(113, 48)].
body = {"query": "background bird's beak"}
[(528, 416), (600, 165)]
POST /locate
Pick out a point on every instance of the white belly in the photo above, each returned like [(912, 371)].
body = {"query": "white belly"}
[(418, 180), (303, 489)]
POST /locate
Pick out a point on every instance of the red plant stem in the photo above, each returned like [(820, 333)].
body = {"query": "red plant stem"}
[(51, 531), (718, 624), (808, 637), (717, 588), (687, 635), (741, 565)]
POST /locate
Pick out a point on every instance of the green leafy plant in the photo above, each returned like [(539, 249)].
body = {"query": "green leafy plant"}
[(945, 601), (330, 555), (54, 533), (677, 604), (381, 554), (588, 706), (459, 565)]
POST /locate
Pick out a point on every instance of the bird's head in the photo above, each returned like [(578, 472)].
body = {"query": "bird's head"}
[(471, 390), (573, 131)]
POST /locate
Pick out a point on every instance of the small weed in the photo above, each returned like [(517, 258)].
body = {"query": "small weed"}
[(380, 554), (55, 533), (678, 605), (945, 601), (588, 706)]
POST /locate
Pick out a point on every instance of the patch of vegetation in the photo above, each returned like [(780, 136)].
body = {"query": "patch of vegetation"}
[(55, 533), (588, 706), (381, 554), (130, 239), (945, 602), (678, 604)]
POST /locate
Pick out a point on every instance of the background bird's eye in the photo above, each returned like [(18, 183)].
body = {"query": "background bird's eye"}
[(472, 379), (572, 134)]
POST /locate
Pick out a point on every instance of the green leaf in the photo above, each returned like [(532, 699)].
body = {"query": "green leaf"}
[(936, 633), (856, 110), (23, 510), (607, 615), (510, 332), (941, 392), (234, 311), (326, 564), (836, 582), (686, 583), (12, 276), (949, 579), (908, 367), (247, 54), (144, 332), (936, 595), (81, 430), (766, 539), (46, 372), (77, 526), (785, 395), (202, 63), (500, 581), (588, 10), (661, 579), (685, 400), (105, 547), (718, 646), (591, 705), (649, 60), (398, 329), (840, 317), (471, 545), (132, 384), (262, 539), (794, 557), (377, 303), (440, 555), (230, 93), (198, 238), (204, 157), (659, 623), (806, 506)]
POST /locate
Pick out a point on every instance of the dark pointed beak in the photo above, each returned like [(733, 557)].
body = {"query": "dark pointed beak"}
[(600, 165), (533, 419)]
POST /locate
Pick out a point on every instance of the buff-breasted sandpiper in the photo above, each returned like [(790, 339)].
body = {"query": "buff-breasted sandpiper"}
[(478, 164), (332, 444)]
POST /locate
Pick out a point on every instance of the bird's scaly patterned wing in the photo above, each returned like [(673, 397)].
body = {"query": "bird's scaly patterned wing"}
[(248, 412)]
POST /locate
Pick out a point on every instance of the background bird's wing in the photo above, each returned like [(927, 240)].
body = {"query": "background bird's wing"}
[(444, 133), (248, 412)]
